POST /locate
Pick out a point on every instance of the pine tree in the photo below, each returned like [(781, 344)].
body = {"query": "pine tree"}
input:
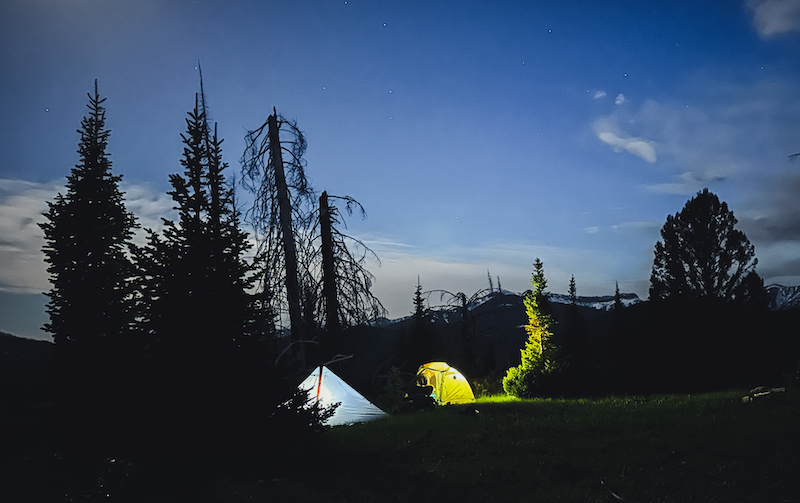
[(574, 346), (87, 234), (573, 292), (702, 255), (538, 356), (617, 352), (205, 325), (419, 305), (424, 343), (199, 277)]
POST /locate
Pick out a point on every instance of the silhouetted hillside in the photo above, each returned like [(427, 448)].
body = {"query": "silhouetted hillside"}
[(24, 370), (496, 327)]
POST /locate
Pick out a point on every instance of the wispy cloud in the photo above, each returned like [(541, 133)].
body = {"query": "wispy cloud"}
[(773, 213), (774, 17), (641, 225), (686, 184), (599, 94), (620, 99), (609, 134), (721, 132), (22, 266)]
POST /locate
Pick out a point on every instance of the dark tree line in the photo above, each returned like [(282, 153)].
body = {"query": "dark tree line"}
[(705, 327)]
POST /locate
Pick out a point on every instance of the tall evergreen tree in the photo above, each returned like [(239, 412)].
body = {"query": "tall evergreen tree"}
[(574, 345), (204, 323), (419, 305), (420, 343), (573, 291), (198, 278), (87, 233), (617, 297), (538, 356)]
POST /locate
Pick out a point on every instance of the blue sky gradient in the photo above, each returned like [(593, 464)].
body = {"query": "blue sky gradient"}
[(477, 134)]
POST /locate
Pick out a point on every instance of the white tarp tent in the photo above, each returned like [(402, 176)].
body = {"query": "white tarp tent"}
[(327, 388)]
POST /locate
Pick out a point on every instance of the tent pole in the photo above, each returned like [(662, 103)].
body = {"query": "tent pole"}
[(319, 382)]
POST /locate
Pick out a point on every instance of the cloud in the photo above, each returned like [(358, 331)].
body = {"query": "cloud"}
[(607, 132), (620, 99), (739, 133), (686, 184), (591, 230), (648, 226), (772, 215), (22, 266), (774, 17), (599, 94), (149, 205)]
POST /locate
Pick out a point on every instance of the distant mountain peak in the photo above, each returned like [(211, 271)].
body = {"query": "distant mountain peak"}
[(783, 297), (601, 302)]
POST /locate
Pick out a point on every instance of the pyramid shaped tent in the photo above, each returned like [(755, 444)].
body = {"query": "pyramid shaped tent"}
[(327, 388)]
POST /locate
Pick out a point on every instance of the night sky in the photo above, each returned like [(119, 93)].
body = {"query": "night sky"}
[(478, 135)]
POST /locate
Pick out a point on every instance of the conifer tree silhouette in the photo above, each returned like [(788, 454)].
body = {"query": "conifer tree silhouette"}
[(87, 234), (204, 324)]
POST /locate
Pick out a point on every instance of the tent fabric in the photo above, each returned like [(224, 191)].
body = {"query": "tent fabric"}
[(449, 385), (327, 388)]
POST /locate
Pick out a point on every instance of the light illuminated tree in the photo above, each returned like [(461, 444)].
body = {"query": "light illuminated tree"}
[(702, 255), (538, 356)]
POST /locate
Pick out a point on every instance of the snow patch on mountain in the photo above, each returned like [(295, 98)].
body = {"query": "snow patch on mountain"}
[(783, 297), (602, 303)]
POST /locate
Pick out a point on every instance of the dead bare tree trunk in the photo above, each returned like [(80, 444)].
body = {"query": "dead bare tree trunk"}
[(332, 325), (289, 247), (329, 290)]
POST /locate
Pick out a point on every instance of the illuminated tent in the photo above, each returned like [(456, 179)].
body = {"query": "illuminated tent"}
[(327, 388), (449, 386)]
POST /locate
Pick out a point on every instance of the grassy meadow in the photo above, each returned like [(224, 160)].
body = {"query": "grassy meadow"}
[(676, 448), (671, 448)]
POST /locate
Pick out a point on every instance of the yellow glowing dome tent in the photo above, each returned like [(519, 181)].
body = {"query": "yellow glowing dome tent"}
[(449, 385)]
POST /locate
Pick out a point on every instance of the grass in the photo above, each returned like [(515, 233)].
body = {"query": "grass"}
[(709, 448), (668, 448)]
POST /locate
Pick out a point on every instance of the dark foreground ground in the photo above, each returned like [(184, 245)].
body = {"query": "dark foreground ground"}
[(677, 448)]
